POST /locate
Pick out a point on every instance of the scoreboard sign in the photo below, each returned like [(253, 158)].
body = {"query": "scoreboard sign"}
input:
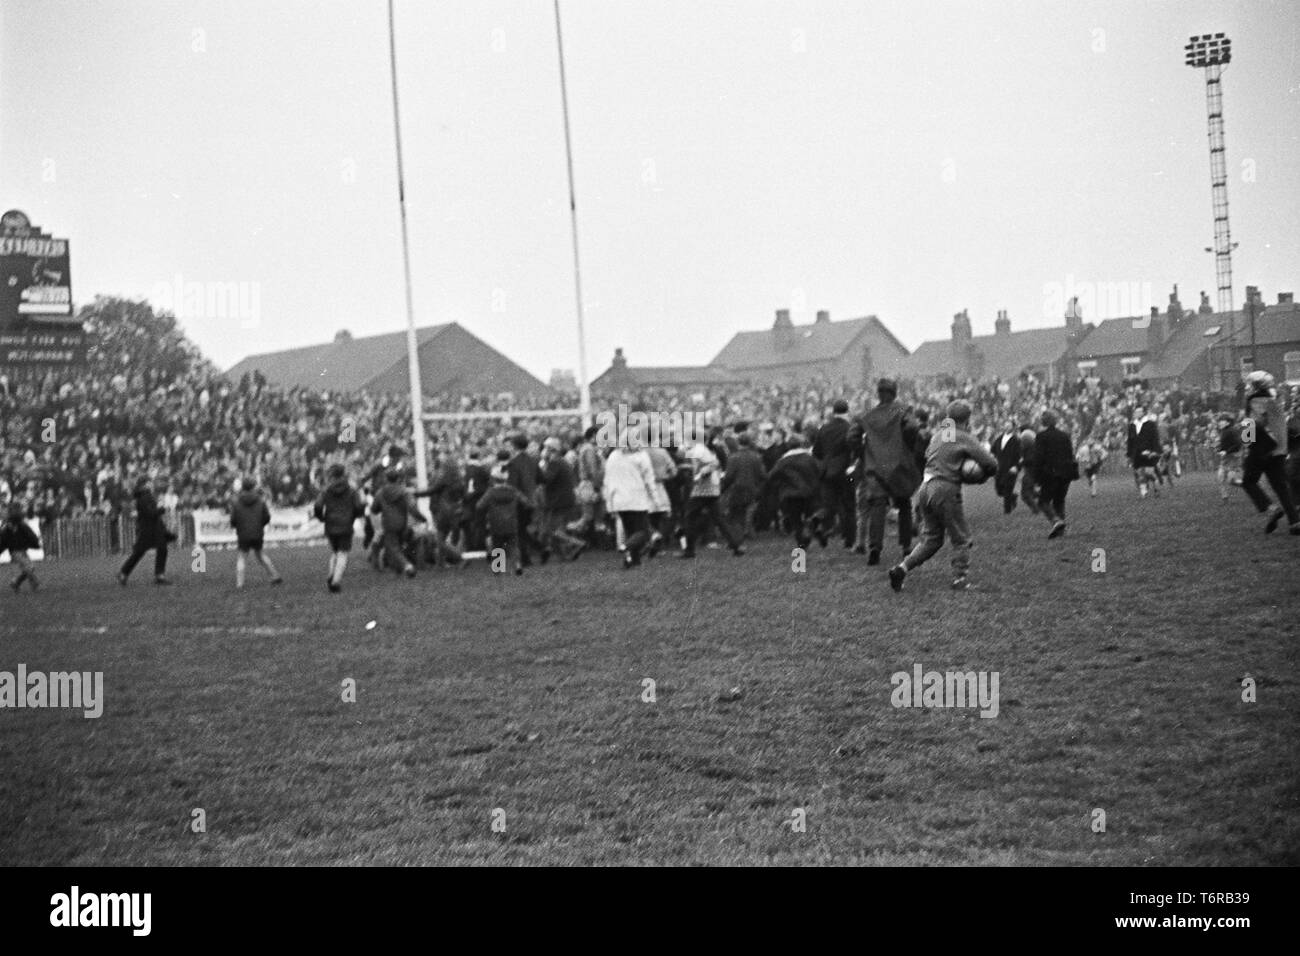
[(36, 321)]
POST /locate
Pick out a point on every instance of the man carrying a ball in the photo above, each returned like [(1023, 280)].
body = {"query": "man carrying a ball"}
[(940, 499)]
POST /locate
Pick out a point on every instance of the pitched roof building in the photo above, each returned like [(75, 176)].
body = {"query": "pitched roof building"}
[(1003, 355), (1212, 350), (452, 361), (620, 376), (854, 351)]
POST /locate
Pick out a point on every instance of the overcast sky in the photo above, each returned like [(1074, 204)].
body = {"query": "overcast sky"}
[(906, 159)]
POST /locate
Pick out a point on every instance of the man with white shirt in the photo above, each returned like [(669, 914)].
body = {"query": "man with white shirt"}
[(1144, 450), (1006, 448), (702, 505)]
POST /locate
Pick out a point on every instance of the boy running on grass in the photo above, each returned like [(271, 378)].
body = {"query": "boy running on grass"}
[(249, 515), (17, 537), (940, 498), (338, 508)]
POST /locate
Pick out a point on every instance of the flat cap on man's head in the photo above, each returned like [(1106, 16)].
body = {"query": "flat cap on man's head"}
[(887, 386), (840, 407)]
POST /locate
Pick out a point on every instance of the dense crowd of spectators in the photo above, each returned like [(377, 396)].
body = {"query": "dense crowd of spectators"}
[(148, 403)]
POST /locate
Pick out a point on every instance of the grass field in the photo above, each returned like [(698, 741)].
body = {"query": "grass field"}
[(1119, 690)]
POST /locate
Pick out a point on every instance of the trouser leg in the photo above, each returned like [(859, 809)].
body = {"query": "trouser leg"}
[(932, 532), (1275, 471), (636, 532), (959, 536), (1251, 472), (137, 552)]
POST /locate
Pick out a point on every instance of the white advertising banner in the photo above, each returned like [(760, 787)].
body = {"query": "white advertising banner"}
[(289, 527)]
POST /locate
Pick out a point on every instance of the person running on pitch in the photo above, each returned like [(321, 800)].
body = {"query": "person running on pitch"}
[(17, 537), (1090, 457), (1266, 451), (1144, 451), (941, 501), (884, 441), (1056, 469), (338, 508), (249, 516), (151, 534), (796, 479), (1229, 455)]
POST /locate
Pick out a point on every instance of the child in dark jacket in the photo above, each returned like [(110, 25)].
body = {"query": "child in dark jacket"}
[(396, 509), (249, 515), (501, 506), (338, 508), (17, 537)]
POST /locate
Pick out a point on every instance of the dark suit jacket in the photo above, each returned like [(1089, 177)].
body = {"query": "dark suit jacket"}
[(1143, 444), (1055, 454), (886, 439), (744, 476), (149, 528), (1006, 449), (831, 448), (795, 475), (523, 473)]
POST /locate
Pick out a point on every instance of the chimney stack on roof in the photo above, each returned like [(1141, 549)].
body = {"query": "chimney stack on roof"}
[(1002, 325), (342, 335), (1073, 320), (1204, 308), (784, 329), (620, 362), (1176, 312), (1155, 332), (1285, 298), (823, 316), (961, 331)]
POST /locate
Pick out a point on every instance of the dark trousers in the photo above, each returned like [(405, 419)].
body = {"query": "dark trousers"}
[(740, 511), (527, 541), (838, 501), (1051, 497), (137, 552), (394, 556), (1029, 489), (1005, 485), (636, 532), (700, 513), (508, 544), (878, 502), (797, 512), (1272, 467)]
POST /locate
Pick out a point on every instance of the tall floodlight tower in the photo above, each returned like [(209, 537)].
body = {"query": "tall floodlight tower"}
[(1212, 52)]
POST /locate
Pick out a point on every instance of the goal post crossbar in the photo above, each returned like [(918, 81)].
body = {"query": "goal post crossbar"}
[(498, 416)]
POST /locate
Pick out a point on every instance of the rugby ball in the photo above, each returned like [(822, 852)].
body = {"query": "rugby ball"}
[(972, 472)]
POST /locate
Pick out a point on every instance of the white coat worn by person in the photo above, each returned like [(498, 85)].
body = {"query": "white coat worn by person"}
[(629, 492)]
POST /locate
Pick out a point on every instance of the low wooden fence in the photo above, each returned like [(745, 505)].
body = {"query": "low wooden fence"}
[(95, 536)]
